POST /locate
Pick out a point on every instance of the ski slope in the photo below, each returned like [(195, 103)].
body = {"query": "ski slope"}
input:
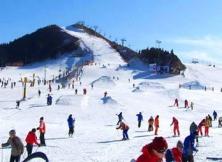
[(95, 138)]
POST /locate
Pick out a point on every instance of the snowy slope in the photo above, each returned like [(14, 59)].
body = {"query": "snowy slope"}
[(96, 138)]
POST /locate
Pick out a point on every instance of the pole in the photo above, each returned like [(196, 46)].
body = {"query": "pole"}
[(24, 92)]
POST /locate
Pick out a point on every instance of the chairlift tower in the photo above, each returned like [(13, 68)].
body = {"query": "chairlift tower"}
[(158, 42)]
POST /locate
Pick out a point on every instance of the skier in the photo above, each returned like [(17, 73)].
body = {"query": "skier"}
[(17, 104), (30, 140), (175, 154), (71, 122), (201, 124), (156, 124), (105, 94), (186, 104), (120, 118), (124, 127), (50, 88), (189, 148), (215, 115), (194, 130), (39, 93), (154, 151), (176, 103), (76, 91), (49, 100), (133, 85), (84, 91), (139, 118), (17, 147), (175, 124), (150, 123), (206, 126), (42, 130), (191, 105)]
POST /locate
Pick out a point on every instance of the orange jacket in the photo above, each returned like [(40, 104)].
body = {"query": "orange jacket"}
[(42, 127), (123, 126), (156, 122)]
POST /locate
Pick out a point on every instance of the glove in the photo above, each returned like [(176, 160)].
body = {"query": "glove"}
[(196, 150), (38, 128), (38, 145)]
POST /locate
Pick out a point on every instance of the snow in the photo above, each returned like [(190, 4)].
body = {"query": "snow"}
[(96, 138)]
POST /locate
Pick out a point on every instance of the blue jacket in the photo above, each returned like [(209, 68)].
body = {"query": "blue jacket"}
[(140, 117), (189, 145), (70, 121)]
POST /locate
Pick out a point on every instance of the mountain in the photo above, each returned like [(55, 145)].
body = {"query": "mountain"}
[(53, 41)]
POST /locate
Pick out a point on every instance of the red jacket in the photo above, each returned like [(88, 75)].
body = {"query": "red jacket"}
[(177, 154), (31, 138), (156, 122), (148, 155), (175, 122), (42, 127)]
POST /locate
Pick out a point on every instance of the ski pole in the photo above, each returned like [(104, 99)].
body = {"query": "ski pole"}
[(2, 155)]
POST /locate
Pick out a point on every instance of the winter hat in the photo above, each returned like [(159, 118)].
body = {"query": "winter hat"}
[(34, 130), (159, 144), (179, 144), (41, 118), (12, 132)]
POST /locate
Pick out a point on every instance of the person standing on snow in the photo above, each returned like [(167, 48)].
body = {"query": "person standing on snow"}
[(186, 105), (42, 130), (49, 100), (210, 120), (39, 93), (120, 118), (71, 122), (201, 124), (30, 140), (175, 124), (176, 103), (17, 147), (124, 127), (189, 148), (139, 118), (215, 115), (156, 124), (175, 154), (154, 151), (206, 126), (191, 105), (150, 124)]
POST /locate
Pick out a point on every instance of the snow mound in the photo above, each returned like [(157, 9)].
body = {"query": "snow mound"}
[(108, 100), (193, 85), (150, 85), (104, 81), (67, 100)]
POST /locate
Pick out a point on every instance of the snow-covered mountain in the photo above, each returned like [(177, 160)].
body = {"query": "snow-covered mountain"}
[(96, 138)]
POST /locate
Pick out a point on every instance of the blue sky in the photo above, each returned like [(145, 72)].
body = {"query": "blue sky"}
[(193, 28)]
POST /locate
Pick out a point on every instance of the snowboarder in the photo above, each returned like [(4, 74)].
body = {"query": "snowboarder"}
[(17, 104), (30, 140), (176, 103), (175, 154), (150, 124), (186, 104), (156, 124), (49, 100), (154, 151), (201, 124), (120, 118), (215, 115), (17, 147), (71, 122), (175, 124), (124, 127), (42, 130), (39, 93), (189, 148), (139, 118)]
